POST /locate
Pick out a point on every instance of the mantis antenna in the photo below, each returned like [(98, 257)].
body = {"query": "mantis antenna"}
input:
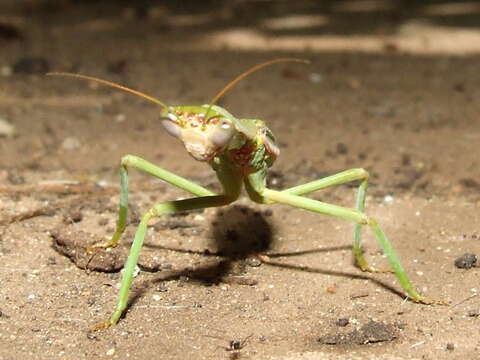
[(247, 73), (222, 92), (111, 84)]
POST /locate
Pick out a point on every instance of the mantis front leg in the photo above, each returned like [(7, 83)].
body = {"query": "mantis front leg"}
[(143, 165), (168, 207)]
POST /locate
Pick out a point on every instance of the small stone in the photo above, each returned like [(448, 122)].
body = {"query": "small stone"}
[(70, 143), (110, 352), (342, 322), (6, 129), (388, 199), (253, 261), (91, 336), (120, 117), (466, 261), (6, 71), (450, 346), (315, 78), (162, 288)]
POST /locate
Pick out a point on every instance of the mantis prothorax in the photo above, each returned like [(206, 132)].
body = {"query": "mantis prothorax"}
[(240, 151)]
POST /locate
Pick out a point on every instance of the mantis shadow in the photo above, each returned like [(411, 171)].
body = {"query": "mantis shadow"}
[(239, 232)]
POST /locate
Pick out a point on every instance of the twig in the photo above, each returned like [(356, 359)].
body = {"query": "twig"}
[(464, 300)]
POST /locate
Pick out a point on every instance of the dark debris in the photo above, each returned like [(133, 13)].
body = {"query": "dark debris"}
[(74, 245)]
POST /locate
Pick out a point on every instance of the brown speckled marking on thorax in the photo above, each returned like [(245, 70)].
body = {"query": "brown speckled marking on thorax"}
[(243, 155)]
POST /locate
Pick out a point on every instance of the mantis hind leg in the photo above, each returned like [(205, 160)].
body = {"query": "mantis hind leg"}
[(159, 209), (143, 165), (360, 219), (338, 179)]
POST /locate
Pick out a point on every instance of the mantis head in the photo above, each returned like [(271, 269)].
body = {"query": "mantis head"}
[(203, 130), (203, 137)]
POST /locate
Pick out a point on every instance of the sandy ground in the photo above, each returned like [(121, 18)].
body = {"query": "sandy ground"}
[(381, 92)]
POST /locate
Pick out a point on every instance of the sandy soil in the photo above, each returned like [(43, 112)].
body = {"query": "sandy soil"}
[(377, 95)]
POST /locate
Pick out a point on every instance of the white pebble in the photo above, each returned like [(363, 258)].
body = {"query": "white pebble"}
[(6, 129), (6, 71), (120, 118), (136, 271), (388, 199), (315, 78), (70, 143)]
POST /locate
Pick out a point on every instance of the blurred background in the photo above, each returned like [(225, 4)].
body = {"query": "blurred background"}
[(357, 25)]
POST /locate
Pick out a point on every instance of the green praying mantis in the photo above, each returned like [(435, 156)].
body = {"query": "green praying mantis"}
[(240, 151)]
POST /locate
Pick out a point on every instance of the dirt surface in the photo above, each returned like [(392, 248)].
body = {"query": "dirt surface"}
[(380, 93)]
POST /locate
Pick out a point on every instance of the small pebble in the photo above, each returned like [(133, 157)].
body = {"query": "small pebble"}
[(450, 346), (120, 118), (315, 78), (6, 71), (466, 261), (342, 322), (162, 288), (388, 199), (91, 336), (6, 129), (70, 143), (253, 261)]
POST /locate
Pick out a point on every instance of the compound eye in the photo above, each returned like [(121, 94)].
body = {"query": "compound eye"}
[(172, 128), (222, 134), (270, 144)]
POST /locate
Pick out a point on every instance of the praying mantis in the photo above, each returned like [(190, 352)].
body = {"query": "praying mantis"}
[(240, 151)]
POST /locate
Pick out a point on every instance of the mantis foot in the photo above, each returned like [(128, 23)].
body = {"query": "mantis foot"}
[(102, 326), (428, 301), (370, 269), (105, 245)]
